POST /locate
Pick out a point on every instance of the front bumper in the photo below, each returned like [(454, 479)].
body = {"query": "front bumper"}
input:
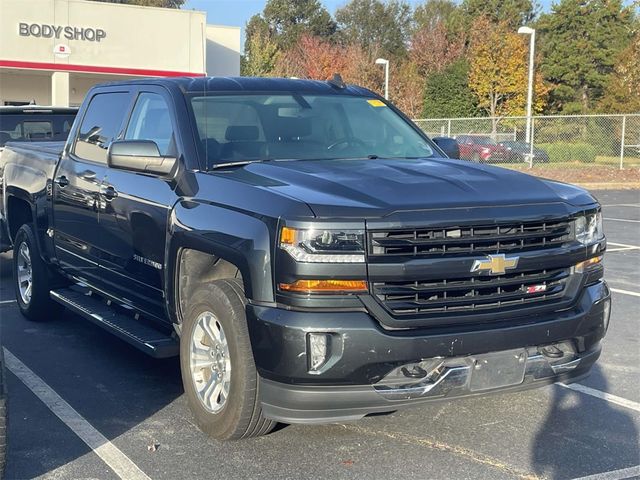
[(323, 404), (354, 382)]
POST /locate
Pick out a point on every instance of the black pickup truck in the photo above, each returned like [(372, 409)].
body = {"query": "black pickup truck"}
[(304, 248), (35, 123)]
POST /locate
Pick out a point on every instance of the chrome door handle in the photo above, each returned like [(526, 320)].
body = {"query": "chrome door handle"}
[(62, 181), (108, 192)]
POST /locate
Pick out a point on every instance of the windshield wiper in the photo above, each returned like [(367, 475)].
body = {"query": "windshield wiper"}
[(239, 163)]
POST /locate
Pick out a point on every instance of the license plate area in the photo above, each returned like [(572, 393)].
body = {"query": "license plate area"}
[(498, 369)]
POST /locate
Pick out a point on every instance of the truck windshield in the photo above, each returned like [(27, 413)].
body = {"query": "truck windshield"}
[(34, 127), (240, 128)]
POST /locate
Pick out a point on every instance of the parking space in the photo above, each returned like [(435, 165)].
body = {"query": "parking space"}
[(136, 405)]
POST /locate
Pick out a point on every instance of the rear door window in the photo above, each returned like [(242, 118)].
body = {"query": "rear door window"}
[(101, 125)]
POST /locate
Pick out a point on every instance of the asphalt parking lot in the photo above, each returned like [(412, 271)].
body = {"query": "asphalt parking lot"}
[(137, 418)]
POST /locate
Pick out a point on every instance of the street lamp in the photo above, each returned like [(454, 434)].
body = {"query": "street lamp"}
[(385, 62), (532, 47)]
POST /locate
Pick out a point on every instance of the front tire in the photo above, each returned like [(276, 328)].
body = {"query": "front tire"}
[(218, 370), (32, 278)]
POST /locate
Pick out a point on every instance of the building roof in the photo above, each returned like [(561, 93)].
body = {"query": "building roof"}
[(253, 84)]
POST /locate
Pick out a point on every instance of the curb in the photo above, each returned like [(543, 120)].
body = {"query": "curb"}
[(610, 185)]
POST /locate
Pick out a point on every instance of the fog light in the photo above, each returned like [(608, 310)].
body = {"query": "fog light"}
[(317, 349)]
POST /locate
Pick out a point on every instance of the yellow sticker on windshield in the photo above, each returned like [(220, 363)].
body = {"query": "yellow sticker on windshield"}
[(376, 103)]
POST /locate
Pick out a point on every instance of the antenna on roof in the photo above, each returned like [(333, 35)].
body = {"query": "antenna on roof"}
[(337, 81)]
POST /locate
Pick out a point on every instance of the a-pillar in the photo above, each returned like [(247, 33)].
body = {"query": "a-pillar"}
[(60, 89)]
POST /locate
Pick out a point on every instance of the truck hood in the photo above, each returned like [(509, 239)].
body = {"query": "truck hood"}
[(376, 188)]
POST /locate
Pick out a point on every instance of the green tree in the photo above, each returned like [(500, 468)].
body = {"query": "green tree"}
[(512, 13), (261, 54), (371, 23), (622, 93), (148, 3), (580, 42), (432, 13), (287, 20), (447, 93)]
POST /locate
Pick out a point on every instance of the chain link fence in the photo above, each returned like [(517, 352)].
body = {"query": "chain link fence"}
[(605, 140)]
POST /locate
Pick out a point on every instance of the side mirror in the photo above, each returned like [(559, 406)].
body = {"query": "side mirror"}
[(448, 146), (139, 156)]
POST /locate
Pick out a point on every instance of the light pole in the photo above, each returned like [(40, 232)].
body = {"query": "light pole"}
[(385, 62), (532, 48)]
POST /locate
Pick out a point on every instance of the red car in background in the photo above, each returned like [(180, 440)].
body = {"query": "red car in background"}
[(480, 148)]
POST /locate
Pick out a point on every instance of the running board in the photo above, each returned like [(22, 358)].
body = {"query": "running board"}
[(146, 338)]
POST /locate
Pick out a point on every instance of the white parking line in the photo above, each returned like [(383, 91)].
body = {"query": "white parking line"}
[(622, 245), (4, 302), (614, 474), (109, 453), (636, 205), (623, 402), (622, 220), (625, 292)]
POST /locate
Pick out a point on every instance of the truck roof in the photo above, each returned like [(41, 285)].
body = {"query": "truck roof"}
[(250, 84)]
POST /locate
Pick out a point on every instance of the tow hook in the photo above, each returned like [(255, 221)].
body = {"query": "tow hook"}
[(551, 351), (416, 372)]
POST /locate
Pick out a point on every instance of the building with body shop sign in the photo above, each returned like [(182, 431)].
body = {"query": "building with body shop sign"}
[(53, 51)]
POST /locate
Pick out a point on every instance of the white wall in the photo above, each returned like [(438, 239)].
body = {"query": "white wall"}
[(17, 87), (137, 41), (136, 37), (223, 50)]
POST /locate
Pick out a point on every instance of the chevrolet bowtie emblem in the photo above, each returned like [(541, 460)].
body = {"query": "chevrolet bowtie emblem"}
[(495, 264)]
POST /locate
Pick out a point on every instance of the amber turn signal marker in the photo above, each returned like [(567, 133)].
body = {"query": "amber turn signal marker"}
[(580, 267), (287, 236), (325, 286)]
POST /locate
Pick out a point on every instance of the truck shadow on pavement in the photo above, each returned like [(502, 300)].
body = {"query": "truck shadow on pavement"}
[(113, 386), (583, 435)]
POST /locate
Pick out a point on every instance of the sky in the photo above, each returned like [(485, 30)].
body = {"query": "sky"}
[(237, 12)]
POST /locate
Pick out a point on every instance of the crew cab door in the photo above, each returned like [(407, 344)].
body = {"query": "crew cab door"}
[(135, 211), (77, 182)]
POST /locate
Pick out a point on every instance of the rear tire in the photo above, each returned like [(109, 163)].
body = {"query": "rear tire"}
[(218, 370), (32, 278)]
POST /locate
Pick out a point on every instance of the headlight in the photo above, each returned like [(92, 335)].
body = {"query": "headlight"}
[(323, 246), (589, 228)]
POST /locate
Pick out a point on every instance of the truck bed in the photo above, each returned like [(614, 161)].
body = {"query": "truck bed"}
[(54, 148)]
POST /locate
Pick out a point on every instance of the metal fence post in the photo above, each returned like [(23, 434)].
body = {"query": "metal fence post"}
[(449, 128), (624, 132), (532, 136)]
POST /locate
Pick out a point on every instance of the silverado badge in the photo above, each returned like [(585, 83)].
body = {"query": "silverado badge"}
[(495, 264)]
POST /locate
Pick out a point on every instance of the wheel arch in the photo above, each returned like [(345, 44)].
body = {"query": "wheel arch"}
[(207, 243), (19, 210)]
